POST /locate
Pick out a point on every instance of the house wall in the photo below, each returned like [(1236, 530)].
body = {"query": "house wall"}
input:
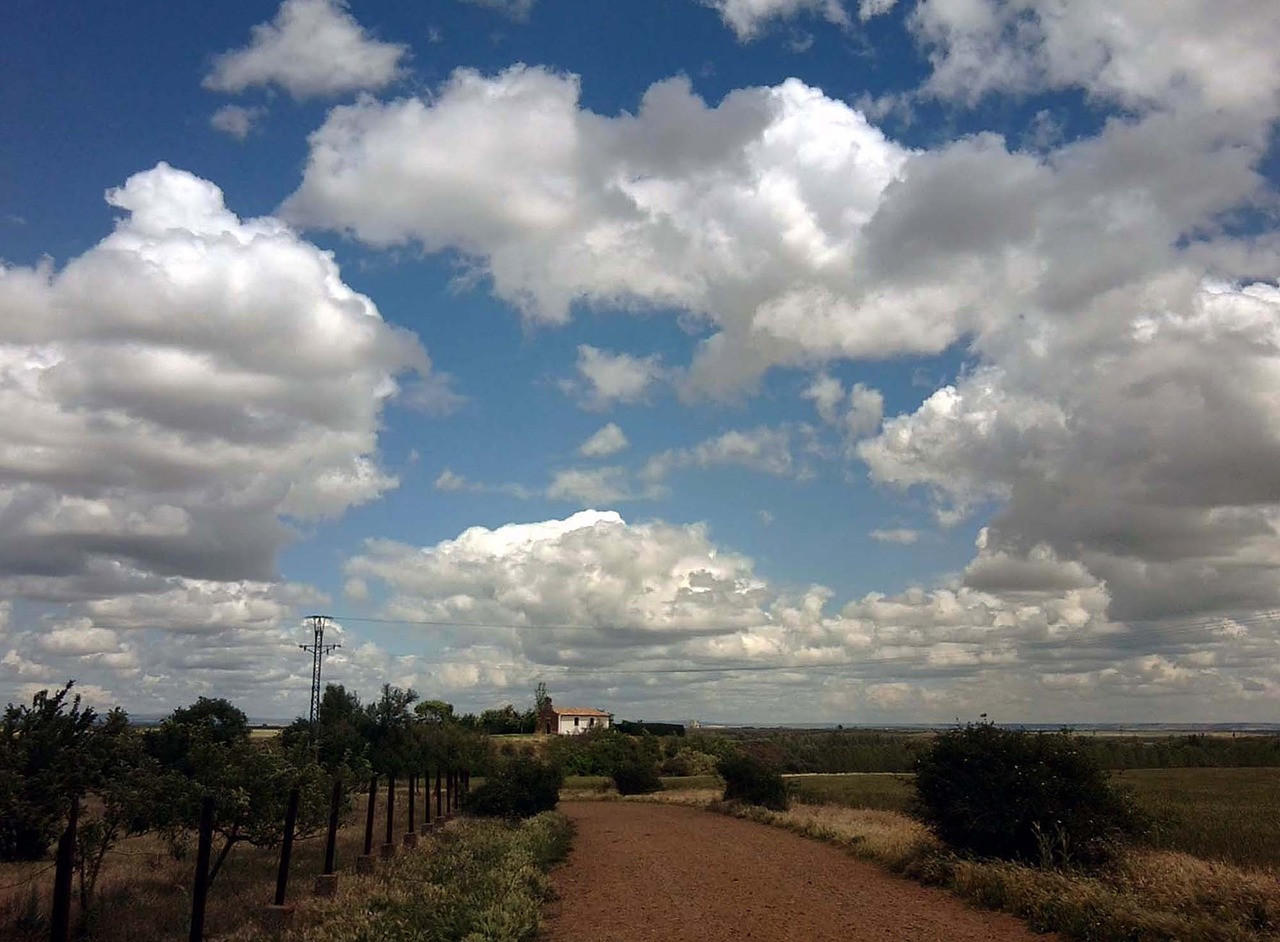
[(567, 728)]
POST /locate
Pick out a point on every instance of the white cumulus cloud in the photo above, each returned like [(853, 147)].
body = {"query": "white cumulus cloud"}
[(172, 402), (609, 440), (748, 17), (606, 379), (236, 120), (313, 48)]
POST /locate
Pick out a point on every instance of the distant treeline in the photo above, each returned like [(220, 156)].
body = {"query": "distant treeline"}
[(869, 751)]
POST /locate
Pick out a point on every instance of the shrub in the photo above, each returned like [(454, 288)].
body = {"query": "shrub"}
[(516, 787), (689, 762), (1031, 797), (750, 779), (636, 777)]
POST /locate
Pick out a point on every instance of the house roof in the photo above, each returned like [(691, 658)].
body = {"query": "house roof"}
[(579, 711)]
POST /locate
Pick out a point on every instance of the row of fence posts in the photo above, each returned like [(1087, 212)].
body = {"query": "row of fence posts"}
[(450, 788)]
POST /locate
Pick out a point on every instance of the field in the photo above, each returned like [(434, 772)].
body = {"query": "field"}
[(1216, 814)]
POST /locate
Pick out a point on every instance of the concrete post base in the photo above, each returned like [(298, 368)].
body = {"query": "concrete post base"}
[(411, 840), (387, 851), (366, 863), (276, 919), (326, 884)]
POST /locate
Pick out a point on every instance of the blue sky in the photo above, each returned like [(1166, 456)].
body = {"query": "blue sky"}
[(748, 360)]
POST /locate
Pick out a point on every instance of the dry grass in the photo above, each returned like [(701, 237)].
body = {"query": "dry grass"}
[(1153, 896), (1231, 815), (144, 894)]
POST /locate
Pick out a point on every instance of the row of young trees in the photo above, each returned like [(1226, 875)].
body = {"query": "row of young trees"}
[(130, 780)]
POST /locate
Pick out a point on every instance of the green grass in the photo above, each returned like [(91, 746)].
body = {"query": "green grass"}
[(880, 791), (1215, 814)]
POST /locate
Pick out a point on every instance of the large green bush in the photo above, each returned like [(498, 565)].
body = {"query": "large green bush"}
[(516, 787), (750, 779), (1032, 797), (636, 777)]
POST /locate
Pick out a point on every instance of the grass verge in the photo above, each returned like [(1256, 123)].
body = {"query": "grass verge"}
[(480, 879)]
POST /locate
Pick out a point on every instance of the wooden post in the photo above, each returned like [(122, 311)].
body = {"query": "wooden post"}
[(279, 915), (286, 847), (426, 798), (388, 846), (60, 919), (327, 882), (411, 835), (439, 806), (331, 839), (200, 890), (364, 863), (448, 791)]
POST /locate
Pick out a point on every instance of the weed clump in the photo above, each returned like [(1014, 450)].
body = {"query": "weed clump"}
[(516, 787), (753, 781), (1035, 798)]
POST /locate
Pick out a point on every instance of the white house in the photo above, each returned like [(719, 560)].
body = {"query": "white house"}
[(569, 721)]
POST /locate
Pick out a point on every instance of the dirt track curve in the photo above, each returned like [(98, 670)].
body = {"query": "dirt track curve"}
[(641, 872)]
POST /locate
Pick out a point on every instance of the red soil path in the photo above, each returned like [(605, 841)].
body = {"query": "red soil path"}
[(641, 872)]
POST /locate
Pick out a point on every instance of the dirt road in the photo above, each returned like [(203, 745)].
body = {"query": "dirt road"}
[(642, 872)]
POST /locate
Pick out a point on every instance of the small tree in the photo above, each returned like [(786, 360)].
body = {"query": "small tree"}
[(129, 789), (250, 785), (1013, 795), (45, 759), (393, 746), (207, 751), (209, 720), (435, 711)]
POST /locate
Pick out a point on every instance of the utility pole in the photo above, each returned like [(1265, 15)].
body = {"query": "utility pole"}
[(318, 650)]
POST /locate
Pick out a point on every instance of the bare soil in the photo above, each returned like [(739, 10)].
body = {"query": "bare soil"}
[(640, 872)]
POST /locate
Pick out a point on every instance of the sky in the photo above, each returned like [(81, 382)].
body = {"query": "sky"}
[(750, 361)]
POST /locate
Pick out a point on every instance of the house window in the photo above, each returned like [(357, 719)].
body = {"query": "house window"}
[(592, 721), (575, 721)]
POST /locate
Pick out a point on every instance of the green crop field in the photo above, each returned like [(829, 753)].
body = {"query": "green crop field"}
[(1227, 814), (1218, 814)]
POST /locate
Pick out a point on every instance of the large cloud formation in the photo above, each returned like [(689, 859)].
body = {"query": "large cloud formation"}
[(647, 615), (169, 402), (1115, 292), (746, 214)]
